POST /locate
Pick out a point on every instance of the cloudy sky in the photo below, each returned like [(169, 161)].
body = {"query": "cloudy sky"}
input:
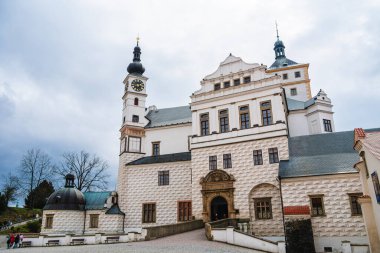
[(62, 63)]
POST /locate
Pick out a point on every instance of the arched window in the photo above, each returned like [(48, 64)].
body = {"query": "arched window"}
[(136, 101)]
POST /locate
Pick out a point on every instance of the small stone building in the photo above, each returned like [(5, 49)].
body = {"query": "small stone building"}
[(69, 211)]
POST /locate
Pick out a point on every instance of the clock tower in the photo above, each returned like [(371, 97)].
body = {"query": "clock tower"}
[(133, 118)]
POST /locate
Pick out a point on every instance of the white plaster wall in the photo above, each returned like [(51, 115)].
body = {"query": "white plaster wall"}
[(246, 174), (298, 124), (69, 221), (108, 223), (140, 184), (172, 139), (336, 242), (301, 91), (338, 222), (373, 165)]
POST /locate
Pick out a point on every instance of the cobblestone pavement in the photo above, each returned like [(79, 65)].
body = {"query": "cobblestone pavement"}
[(189, 242)]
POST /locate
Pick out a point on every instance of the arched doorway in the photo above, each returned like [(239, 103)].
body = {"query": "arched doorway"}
[(219, 208)]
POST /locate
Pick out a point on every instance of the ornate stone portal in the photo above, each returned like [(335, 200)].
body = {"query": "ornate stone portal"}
[(217, 183)]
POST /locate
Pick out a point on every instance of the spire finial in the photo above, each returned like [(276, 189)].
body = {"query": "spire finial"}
[(278, 37), (138, 39)]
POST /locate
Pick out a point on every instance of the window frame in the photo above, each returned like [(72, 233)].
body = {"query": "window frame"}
[(327, 125), (213, 162), (205, 120), (297, 74), (285, 76), (151, 216), (134, 117), (156, 143), (184, 210), (246, 79), (247, 120), (226, 84), (273, 155), (224, 124), (217, 86), (129, 144), (376, 185), (227, 161), (320, 196), (256, 201), (267, 119), (258, 157), (136, 101), (293, 92), (49, 219), (237, 82), (94, 221), (352, 198), (163, 177)]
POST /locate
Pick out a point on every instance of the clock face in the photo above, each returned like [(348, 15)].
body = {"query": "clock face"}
[(137, 85)]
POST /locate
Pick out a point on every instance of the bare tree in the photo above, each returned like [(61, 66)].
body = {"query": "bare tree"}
[(10, 188), (36, 166), (89, 170)]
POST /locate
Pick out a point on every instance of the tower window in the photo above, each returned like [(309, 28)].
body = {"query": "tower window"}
[(136, 102), (247, 79), (223, 121), (237, 82), (244, 117), (266, 113), (217, 86), (134, 144), (124, 119), (135, 118), (227, 163), (257, 157), (155, 148), (285, 76), (163, 177), (293, 91), (204, 125), (226, 84), (212, 162), (297, 74), (327, 125), (273, 155)]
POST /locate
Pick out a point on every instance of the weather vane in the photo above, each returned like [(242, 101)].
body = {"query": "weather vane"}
[(277, 29)]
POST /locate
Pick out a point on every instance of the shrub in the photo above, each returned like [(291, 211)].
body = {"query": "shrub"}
[(34, 226)]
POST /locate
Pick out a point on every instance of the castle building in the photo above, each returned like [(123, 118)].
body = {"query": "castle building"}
[(253, 143)]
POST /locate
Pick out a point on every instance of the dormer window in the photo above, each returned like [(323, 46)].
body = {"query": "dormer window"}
[(217, 86), (247, 79), (226, 84)]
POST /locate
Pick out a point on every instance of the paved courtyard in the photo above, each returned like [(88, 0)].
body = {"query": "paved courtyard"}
[(193, 241)]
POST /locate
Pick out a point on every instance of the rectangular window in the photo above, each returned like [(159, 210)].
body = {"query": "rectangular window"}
[(205, 125), (135, 118), (257, 157), (317, 206), (237, 82), (266, 113), (273, 155), (327, 125), (297, 74), (376, 185), (217, 86), (94, 220), (227, 163), (163, 177), (212, 162), (155, 148), (285, 76), (134, 144), (244, 117), (123, 145), (247, 79), (263, 208), (223, 121), (49, 221), (293, 91), (184, 211), (149, 213), (355, 206), (226, 84)]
